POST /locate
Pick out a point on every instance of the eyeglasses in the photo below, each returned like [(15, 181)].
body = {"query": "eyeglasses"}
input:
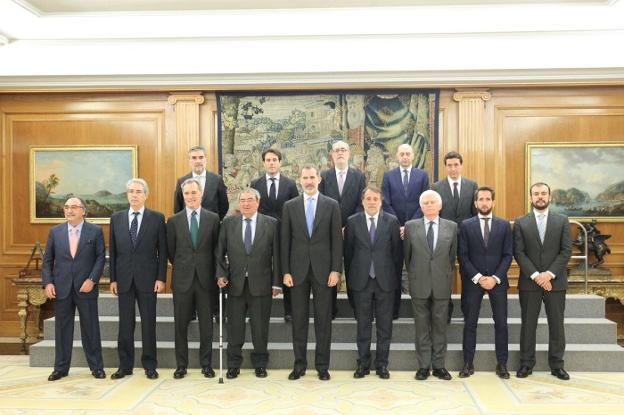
[(72, 207)]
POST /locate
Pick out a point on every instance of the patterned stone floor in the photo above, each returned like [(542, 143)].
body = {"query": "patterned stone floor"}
[(25, 390)]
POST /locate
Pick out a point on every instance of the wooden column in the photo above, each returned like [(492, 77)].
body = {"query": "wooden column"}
[(472, 143), (186, 107)]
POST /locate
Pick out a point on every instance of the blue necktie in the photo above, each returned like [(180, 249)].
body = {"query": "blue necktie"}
[(405, 181), (371, 233), (310, 215), (134, 228), (247, 239), (194, 228)]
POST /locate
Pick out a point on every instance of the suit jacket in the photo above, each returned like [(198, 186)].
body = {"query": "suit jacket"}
[(465, 208), (533, 256), (287, 190), (214, 198), (186, 260), (261, 266), (65, 272), (385, 252), (350, 200), (144, 263), (322, 251), (430, 273), (404, 206), (474, 257)]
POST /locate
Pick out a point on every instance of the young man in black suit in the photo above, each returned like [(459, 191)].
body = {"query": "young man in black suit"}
[(138, 271)]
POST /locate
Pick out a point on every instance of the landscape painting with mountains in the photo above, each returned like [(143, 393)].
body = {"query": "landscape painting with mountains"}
[(586, 180), (97, 175)]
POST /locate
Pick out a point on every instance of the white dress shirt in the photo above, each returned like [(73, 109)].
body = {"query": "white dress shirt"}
[(545, 213), (139, 217), (478, 276)]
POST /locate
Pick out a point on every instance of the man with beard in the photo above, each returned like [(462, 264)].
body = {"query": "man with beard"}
[(542, 248), (311, 251), (485, 250)]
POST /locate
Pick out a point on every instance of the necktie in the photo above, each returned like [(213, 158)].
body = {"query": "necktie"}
[(486, 230), (405, 181), (310, 215), (371, 233), (341, 181), (194, 228), (272, 192), (455, 193), (247, 238), (134, 227), (541, 226), (73, 241), (430, 236)]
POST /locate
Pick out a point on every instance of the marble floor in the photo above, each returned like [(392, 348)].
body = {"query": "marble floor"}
[(25, 390)]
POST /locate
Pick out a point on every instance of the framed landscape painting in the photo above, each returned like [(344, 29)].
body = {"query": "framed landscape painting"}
[(586, 179), (97, 174)]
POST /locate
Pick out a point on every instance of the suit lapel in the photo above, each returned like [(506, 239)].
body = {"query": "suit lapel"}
[(300, 212), (332, 184), (144, 221), (320, 205), (533, 227), (260, 229), (477, 229), (381, 225), (65, 238), (422, 233), (238, 233), (84, 236)]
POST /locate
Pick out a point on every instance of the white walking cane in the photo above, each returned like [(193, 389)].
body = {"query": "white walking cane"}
[(220, 335)]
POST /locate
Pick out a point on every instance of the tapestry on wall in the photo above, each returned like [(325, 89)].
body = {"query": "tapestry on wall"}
[(303, 127)]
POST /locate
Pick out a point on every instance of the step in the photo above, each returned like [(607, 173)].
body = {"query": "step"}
[(578, 330), (577, 305), (578, 357)]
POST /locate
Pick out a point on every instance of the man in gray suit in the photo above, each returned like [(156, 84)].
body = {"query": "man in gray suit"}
[(251, 243), (311, 258), (430, 251), (192, 236), (457, 194), (542, 248), (373, 267)]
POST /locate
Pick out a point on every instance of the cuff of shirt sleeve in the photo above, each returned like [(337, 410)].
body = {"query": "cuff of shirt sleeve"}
[(498, 281), (476, 278), (552, 275), (277, 288), (534, 275)]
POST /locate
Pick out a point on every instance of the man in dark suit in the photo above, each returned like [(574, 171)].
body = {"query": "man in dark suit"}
[(372, 255), (542, 248), (430, 252), (138, 271), (311, 258), (213, 198), (401, 189), (192, 236), (251, 243), (213, 191), (72, 266), (275, 189), (485, 251), (344, 184), (457, 194)]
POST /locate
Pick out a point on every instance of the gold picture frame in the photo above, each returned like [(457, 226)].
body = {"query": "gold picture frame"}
[(98, 174), (585, 178)]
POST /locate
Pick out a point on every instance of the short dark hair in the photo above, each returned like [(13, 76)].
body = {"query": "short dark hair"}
[(309, 166), (373, 189), (484, 189), (274, 151), (453, 155), (538, 184)]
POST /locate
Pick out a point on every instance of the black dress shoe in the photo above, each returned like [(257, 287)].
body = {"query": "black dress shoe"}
[(360, 372), (179, 373), (422, 374), (323, 375), (560, 373), (56, 375), (467, 370), (98, 373), (121, 373), (208, 372), (441, 374), (382, 372), (501, 371), (151, 374), (296, 374), (232, 373), (287, 318), (523, 372), (261, 372)]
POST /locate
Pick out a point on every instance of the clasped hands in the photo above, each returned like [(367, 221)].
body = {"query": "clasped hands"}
[(543, 280)]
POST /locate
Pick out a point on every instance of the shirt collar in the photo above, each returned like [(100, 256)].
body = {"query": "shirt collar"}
[(189, 211), (451, 181), (376, 216), (254, 218), (141, 212), (343, 170), (489, 216), (276, 177), (199, 175), (315, 196), (436, 220), (536, 213), (78, 227)]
